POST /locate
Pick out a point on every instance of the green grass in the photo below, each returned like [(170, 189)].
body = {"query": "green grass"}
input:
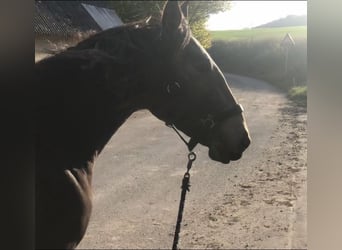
[(297, 33), (298, 94)]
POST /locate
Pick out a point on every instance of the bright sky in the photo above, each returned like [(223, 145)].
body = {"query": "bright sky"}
[(248, 14)]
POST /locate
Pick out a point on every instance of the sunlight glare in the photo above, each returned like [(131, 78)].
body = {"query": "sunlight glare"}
[(248, 14)]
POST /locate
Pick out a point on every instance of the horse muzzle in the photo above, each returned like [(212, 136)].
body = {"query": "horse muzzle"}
[(229, 142)]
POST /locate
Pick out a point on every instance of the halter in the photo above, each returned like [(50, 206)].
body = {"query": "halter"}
[(209, 122)]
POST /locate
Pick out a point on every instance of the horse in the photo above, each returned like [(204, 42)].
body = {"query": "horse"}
[(85, 93)]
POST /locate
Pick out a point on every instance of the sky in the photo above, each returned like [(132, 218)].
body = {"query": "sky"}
[(248, 14)]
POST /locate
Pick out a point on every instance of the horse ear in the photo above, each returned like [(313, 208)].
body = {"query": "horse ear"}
[(172, 16), (185, 9), (175, 29)]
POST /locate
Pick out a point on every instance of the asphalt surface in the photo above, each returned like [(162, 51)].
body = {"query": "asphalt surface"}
[(138, 175)]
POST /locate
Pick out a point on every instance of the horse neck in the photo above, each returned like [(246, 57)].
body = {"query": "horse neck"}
[(109, 112), (72, 132), (99, 99)]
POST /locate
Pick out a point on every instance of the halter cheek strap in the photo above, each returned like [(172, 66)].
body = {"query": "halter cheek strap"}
[(209, 123), (191, 144)]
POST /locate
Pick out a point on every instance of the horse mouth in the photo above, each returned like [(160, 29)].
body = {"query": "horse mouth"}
[(223, 156)]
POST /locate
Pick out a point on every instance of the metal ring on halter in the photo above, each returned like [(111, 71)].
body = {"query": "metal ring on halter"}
[(192, 156), (208, 122), (168, 86)]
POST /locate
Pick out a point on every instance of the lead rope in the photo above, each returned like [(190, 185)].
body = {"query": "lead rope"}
[(237, 109), (185, 187)]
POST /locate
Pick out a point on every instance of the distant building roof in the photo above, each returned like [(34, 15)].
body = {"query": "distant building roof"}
[(65, 18), (105, 18)]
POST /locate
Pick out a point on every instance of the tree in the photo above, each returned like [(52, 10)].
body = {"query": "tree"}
[(132, 11), (198, 15)]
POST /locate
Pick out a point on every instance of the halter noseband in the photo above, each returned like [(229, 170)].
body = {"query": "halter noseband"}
[(210, 122)]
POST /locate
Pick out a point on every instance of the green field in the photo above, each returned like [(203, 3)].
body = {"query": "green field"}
[(297, 33)]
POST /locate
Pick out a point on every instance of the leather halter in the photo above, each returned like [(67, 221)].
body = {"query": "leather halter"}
[(210, 122)]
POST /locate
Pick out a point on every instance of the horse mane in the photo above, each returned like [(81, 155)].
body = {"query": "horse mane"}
[(125, 43), (129, 42)]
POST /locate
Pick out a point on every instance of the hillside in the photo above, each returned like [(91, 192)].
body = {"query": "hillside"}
[(290, 20), (277, 33)]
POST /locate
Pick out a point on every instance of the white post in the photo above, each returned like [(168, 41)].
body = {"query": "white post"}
[(286, 59)]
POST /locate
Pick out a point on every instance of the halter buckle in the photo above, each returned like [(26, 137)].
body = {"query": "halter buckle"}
[(208, 121)]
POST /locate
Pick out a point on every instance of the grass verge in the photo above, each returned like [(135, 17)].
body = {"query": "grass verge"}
[(298, 95)]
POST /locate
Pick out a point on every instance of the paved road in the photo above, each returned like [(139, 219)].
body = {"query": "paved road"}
[(138, 175)]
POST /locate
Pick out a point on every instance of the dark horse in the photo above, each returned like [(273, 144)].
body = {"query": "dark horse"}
[(87, 92)]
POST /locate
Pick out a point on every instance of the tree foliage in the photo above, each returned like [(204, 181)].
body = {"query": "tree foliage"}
[(199, 12), (131, 11), (198, 15)]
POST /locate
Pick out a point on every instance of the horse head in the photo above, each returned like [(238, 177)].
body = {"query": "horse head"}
[(193, 94)]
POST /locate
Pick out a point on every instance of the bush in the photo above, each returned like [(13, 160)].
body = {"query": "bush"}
[(298, 95), (202, 35), (263, 59)]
